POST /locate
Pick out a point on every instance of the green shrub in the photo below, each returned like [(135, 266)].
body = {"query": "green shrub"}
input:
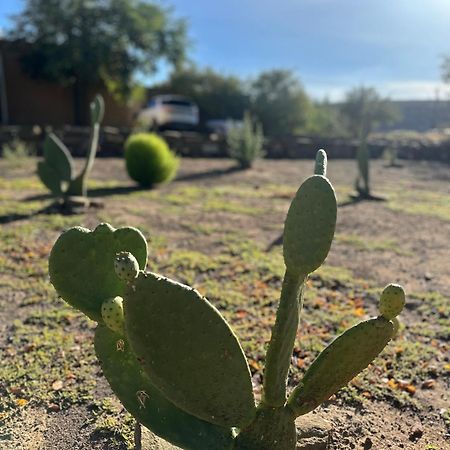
[(149, 159), (17, 151), (245, 142)]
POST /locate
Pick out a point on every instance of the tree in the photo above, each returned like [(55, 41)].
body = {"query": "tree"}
[(324, 119), (84, 43), (364, 109), (218, 96), (279, 102)]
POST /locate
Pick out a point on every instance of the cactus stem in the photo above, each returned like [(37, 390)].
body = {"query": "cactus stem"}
[(282, 341)]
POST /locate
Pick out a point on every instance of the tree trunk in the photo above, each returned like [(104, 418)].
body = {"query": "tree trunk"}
[(79, 103)]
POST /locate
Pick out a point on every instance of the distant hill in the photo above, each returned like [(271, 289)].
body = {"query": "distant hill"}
[(421, 115)]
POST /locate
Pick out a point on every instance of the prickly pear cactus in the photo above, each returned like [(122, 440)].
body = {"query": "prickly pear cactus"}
[(81, 265), (56, 169), (175, 363), (362, 180)]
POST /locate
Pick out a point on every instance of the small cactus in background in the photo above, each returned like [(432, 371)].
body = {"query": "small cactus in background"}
[(245, 142), (56, 169), (362, 183), (175, 363)]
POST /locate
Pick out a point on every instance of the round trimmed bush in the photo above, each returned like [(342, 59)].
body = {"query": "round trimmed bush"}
[(149, 159)]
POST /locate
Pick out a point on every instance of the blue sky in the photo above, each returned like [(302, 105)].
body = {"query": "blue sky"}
[(394, 45)]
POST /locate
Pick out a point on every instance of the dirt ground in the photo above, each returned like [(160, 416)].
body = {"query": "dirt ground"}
[(219, 229)]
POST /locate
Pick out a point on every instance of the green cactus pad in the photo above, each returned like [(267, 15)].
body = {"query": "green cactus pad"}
[(112, 314), (55, 171), (126, 266), (343, 359), (147, 404), (320, 167), (392, 301), (81, 265), (97, 109), (309, 226), (188, 350)]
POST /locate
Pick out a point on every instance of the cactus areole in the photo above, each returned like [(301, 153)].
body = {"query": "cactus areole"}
[(175, 363)]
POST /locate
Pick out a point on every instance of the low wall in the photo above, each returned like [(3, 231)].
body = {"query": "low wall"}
[(203, 145)]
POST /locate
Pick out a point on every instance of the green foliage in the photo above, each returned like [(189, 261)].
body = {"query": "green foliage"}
[(16, 151), (149, 159), (86, 42), (279, 102), (245, 142), (325, 119), (218, 96), (178, 361), (364, 109)]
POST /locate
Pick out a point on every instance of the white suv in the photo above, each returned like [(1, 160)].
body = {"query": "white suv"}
[(173, 110)]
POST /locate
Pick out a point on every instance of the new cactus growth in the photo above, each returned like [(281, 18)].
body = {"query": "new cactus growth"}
[(175, 363), (56, 169), (112, 314), (126, 266)]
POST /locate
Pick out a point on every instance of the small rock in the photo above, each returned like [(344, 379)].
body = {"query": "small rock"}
[(53, 407), (313, 432), (416, 433), (429, 384), (367, 443)]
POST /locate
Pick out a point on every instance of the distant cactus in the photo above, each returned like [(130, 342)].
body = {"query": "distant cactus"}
[(362, 182), (56, 169), (245, 142), (177, 366)]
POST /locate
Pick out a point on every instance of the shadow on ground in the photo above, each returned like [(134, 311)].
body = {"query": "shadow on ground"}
[(208, 174)]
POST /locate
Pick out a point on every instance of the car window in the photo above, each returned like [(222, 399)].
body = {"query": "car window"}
[(177, 102)]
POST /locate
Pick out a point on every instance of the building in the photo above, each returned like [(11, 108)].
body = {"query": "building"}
[(28, 101)]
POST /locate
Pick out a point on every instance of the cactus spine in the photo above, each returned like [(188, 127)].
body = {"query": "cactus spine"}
[(178, 367), (56, 169)]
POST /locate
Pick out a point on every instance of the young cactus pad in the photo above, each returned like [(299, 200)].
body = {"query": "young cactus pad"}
[(392, 301), (112, 314), (126, 266), (175, 363)]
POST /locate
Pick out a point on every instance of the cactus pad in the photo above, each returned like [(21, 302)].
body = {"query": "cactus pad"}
[(55, 171), (147, 404), (81, 265), (97, 109), (309, 226), (343, 359), (320, 167), (188, 350), (126, 266), (112, 314), (392, 301)]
